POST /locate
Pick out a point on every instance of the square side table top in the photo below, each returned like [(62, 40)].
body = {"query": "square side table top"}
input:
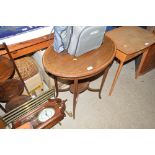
[(131, 39)]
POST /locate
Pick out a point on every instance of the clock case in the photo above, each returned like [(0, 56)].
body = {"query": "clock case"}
[(32, 117)]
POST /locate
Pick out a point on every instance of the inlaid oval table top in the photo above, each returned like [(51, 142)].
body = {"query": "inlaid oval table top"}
[(91, 63)]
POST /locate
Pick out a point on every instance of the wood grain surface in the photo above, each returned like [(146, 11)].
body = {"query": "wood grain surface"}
[(6, 69), (26, 47), (67, 66), (16, 101), (10, 88), (131, 39)]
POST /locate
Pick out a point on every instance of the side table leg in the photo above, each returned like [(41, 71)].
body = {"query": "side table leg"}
[(75, 95), (56, 86), (103, 80), (2, 108), (116, 77), (141, 63)]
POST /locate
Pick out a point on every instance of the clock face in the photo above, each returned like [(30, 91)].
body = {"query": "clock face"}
[(46, 114)]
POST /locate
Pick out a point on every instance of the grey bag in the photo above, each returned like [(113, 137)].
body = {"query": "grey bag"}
[(78, 39), (85, 39)]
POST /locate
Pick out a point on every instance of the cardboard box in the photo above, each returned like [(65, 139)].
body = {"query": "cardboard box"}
[(34, 85)]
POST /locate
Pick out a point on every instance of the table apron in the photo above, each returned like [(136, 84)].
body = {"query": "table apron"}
[(82, 77)]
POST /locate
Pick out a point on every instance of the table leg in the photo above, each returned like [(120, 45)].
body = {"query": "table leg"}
[(141, 63), (2, 108), (116, 77), (56, 86), (75, 95), (103, 80)]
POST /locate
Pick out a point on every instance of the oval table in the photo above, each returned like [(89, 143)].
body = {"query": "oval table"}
[(6, 69), (10, 88), (62, 65)]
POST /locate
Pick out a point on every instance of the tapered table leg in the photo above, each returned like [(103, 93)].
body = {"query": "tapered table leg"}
[(75, 95), (141, 63), (2, 108), (116, 77), (56, 86), (103, 80)]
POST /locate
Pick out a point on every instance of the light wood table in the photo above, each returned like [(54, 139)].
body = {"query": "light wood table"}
[(76, 69), (130, 42), (29, 46)]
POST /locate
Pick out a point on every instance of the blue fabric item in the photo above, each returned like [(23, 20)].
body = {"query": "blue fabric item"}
[(9, 31), (108, 28), (58, 42)]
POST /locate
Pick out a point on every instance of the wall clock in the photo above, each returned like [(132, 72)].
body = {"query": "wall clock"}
[(45, 116), (40, 112)]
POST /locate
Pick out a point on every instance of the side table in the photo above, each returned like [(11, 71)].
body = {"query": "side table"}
[(65, 66), (130, 42)]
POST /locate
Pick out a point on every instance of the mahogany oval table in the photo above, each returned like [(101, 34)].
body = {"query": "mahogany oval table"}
[(10, 88), (16, 101), (62, 65), (6, 68)]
